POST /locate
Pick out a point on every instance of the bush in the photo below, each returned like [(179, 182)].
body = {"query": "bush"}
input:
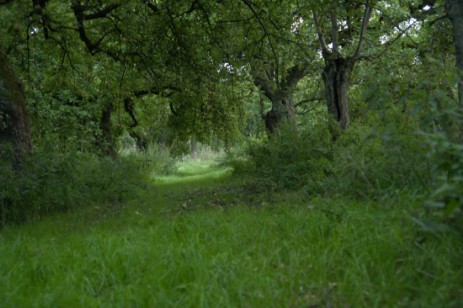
[(287, 160), (160, 160), (448, 172), (373, 163), (446, 151), (50, 183), (365, 162)]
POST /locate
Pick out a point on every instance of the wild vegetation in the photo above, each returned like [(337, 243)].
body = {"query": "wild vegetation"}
[(231, 153)]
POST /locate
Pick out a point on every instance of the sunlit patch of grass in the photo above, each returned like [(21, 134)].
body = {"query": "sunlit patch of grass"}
[(195, 170), (196, 167), (176, 246)]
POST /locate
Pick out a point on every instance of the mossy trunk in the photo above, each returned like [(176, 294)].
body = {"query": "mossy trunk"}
[(14, 123)]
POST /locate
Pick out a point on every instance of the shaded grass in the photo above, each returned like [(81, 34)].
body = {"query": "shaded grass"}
[(178, 246)]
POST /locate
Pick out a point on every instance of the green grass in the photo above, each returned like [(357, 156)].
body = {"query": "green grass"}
[(202, 238), (194, 170)]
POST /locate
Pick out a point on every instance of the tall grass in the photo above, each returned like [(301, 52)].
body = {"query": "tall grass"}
[(176, 246)]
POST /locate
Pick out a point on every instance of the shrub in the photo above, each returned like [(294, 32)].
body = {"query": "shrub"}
[(373, 163), (446, 151), (160, 160), (287, 160), (448, 182), (50, 182), (365, 162)]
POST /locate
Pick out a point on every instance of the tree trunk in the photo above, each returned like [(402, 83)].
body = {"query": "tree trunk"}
[(140, 140), (336, 75), (280, 94), (454, 10), (193, 147), (14, 123), (106, 142), (282, 112)]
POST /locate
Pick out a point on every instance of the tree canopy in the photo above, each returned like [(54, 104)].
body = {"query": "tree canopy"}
[(205, 70)]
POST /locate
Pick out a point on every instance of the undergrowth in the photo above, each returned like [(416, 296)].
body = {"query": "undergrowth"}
[(363, 163), (48, 183)]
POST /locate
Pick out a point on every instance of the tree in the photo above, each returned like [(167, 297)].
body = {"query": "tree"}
[(14, 123), (280, 94), (338, 65), (277, 52), (454, 10)]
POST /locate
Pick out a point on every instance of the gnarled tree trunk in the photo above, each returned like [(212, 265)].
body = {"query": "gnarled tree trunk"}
[(282, 112), (338, 68), (280, 93), (14, 123), (336, 75)]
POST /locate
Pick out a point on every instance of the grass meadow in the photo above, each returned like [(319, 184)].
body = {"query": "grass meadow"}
[(204, 238)]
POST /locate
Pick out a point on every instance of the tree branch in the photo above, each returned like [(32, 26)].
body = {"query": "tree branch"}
[(334, 30), (389, 43), (102, 13), (264, 28), (79, 13), (321, 38), (308, 100), (264, 86), (193, 7), (306, 111), (129, 107), (363, 29), (151, 6), (2, 2), (295, 74)]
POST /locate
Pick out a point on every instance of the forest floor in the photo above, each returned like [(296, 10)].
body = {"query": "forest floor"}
[(203, 237)]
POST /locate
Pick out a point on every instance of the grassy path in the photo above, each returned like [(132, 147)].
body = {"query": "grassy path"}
[(205, 239)]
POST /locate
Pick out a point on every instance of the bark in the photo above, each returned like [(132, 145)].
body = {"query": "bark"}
[(106, 142), (336, 75), (338, 68), (454, 10), (140, 140), (280, 94), (282, 112), (14, 123)]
